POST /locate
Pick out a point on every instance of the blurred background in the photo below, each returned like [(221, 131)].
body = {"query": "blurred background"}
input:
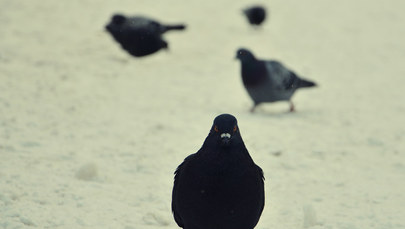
[(90, 136)]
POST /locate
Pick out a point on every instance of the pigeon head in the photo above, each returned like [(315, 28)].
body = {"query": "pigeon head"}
[(224, 129), (118, 19), (244, 55), (116, 23)]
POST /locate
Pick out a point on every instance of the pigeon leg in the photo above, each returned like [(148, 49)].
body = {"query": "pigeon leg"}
[(253, 108), (292, 108)]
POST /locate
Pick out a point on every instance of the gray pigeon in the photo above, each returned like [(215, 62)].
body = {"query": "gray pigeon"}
[(268, 81)]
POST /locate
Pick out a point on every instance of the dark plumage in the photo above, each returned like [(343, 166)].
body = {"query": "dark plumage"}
[(139, 36), (268, 81), (255, 15), (219, 187)]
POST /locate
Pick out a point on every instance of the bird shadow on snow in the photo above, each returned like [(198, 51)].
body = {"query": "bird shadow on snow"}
[(278, 113), (121, 60)]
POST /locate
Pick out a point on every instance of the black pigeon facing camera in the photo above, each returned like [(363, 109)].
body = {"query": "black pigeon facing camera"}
[(219, 187), (255, 15), (139, 36), (268, 81)]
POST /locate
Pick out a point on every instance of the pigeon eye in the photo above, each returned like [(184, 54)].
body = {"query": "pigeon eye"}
[(235, 128), (216, 128)]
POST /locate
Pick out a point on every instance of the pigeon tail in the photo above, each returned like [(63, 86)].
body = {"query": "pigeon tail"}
[(173, 27), (306, 83)]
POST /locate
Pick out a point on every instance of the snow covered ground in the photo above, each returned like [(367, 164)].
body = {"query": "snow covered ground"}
[(90, 137)]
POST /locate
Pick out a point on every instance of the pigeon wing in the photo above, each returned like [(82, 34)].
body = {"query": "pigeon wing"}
[(262, 184), (281, 77), (177, 173)]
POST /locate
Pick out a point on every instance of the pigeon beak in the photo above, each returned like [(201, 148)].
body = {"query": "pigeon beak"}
[(225, 138)]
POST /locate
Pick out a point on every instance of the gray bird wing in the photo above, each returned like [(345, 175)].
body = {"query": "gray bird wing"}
[(144, 22), (281, 77), (137, 21)]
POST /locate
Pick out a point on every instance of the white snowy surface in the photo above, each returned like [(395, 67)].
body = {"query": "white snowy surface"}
[(90, 137)]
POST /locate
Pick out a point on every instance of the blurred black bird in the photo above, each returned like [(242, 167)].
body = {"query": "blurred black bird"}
[(268, 81), (255, 15), (139, 36), (219, 187)]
